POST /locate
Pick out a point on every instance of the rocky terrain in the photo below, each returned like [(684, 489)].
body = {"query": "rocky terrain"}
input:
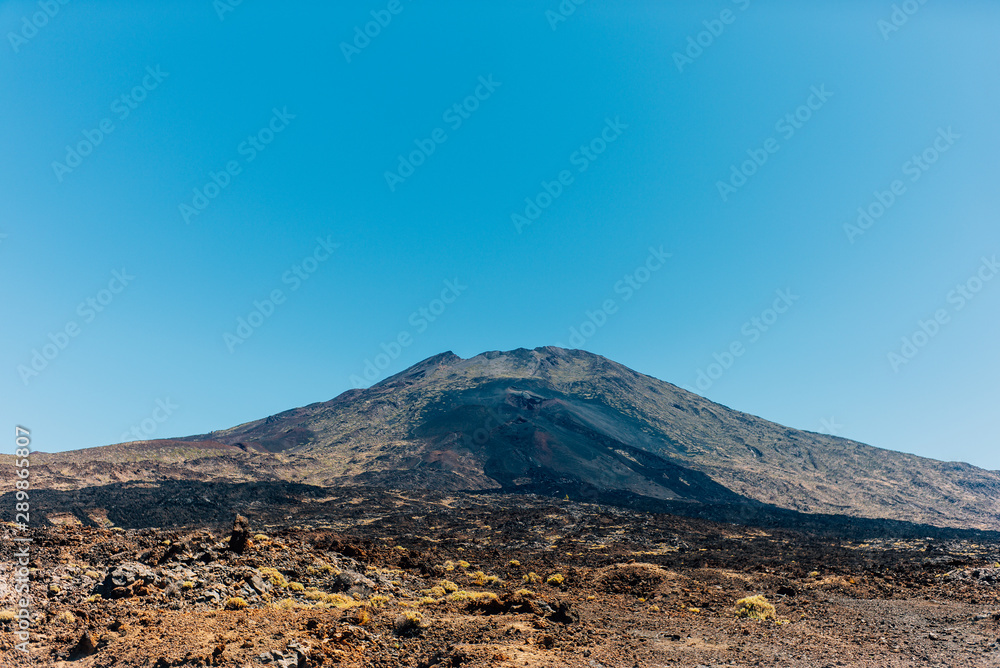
[(531, 508), (404, 578), (554, 422)]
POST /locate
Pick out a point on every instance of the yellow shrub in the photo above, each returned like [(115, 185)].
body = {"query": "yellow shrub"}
[(235, 603), (555, 579), (482, 579), (274, 577), (296, 586), (755, 607), (463, 596), (363, 617)]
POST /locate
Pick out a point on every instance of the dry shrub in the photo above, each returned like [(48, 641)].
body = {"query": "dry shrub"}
[(274, 577), (755, 607), (235, 603)]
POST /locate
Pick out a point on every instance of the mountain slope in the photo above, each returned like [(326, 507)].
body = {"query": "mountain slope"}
[(560, 422), (518, 418)]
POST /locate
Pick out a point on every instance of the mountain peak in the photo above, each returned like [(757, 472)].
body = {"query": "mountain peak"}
[(554, 421)]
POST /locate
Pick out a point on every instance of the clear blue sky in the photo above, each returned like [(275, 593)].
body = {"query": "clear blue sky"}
[(633, 139)]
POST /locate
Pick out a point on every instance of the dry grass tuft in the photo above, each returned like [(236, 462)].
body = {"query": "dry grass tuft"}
[(755, 607), (274, 576)]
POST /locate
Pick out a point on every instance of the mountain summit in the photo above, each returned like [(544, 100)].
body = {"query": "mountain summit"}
[(562, 422)]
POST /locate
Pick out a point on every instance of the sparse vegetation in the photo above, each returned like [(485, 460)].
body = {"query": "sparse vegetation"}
[(321, 567), (482, 579), (463, 596), (325, 600), (235, 603), (469, 618), (274, 577), (755, 607)]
